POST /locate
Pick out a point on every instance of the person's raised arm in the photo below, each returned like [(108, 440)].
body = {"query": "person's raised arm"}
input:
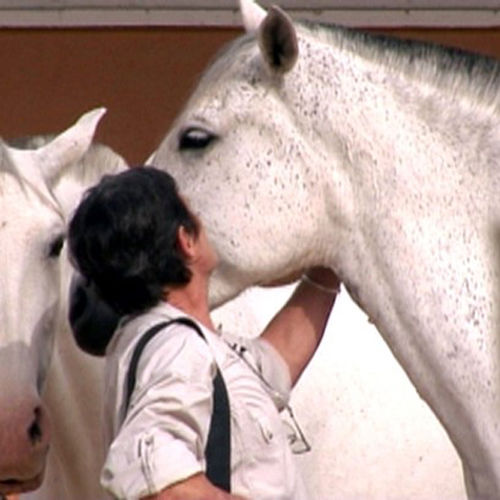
[(296, 330)]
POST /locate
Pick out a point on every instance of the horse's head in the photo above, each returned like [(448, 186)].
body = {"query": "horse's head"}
[(242, 157), (32, 228)]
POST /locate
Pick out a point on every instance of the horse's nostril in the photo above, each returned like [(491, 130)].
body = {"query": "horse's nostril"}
[(35, 429)]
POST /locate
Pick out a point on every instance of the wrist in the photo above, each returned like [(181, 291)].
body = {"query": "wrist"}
[(330, 288)]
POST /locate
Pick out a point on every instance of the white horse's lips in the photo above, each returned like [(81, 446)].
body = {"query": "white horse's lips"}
[(16, 486)]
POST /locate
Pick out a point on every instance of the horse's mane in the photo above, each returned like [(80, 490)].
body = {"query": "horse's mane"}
[(453, 69), (456, 70), (223, 59)]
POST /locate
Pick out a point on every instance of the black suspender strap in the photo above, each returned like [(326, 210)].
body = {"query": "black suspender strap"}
[(218, 449), (134, 360)]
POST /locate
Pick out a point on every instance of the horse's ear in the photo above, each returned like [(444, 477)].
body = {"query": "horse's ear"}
[(278, 41), (69, 146), (252, 14)]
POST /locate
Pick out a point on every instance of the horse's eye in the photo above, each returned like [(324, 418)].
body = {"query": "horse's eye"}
[(56, 246), (195, 138)]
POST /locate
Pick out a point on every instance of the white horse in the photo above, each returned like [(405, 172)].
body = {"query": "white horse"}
[(308, 144), (49, 389)]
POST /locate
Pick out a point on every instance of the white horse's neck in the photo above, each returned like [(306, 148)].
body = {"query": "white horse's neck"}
[(391, 82), (414, 158), (393, 146), (339, 53), (73, 396), (416, 180), (408, 134)]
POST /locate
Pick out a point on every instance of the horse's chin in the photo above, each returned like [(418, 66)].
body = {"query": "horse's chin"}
[(15, 487), (23, 483)]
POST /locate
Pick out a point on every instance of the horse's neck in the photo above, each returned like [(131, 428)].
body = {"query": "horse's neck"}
[(417, 170), (396, 136), (371, 98), (73, 398)]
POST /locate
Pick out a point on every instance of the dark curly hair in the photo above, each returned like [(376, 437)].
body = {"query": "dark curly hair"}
[(123, 238)]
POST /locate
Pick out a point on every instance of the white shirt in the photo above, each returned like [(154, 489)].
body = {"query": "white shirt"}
[(162, 438)]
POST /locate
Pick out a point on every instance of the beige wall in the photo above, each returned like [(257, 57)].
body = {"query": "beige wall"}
[(142, 76)]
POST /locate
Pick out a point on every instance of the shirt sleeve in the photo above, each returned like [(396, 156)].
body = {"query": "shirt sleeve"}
[(273, 368), (163, 437), (268, 362)]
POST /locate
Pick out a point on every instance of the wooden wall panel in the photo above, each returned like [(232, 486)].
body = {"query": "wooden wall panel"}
[(142, 75)]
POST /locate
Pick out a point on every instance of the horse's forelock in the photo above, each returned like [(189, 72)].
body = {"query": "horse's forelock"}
[(31, 141)]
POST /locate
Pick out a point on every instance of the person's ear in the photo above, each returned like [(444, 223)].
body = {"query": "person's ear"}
[(186, 242)]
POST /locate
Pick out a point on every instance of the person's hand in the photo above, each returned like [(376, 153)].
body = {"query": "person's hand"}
[(196, 487)]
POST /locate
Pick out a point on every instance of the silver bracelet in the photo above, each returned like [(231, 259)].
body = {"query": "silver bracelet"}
[(319, 286)]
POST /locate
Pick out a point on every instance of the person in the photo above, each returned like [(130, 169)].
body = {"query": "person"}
[(134, 238)]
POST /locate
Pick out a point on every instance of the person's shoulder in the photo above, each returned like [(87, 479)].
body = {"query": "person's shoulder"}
[(176, 335), (177, 348)]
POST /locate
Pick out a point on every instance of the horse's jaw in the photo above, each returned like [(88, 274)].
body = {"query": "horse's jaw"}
[(223, 287), (227, 282)]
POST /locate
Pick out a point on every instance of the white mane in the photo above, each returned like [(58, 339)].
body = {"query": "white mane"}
[(460, 72), (456, 70)]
